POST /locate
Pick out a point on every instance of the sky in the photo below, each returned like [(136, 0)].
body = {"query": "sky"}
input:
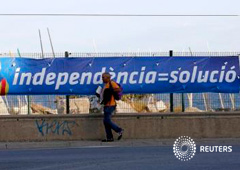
[(120, 34)]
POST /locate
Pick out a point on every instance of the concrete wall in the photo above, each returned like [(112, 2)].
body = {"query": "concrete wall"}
[(137, 126)]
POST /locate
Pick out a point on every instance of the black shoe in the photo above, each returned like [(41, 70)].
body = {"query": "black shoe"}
[(107, 140), (120, 134)]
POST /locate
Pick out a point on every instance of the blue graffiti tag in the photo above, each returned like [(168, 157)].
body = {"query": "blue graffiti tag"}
[(55, 127)]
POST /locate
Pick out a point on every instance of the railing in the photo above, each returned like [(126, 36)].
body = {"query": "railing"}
[(52, 104)]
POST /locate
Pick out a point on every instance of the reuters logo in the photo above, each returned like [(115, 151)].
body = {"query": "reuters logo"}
[(4, 87), (184, 148)]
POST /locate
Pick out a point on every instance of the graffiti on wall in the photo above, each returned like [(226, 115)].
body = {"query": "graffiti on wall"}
[(59, 127)]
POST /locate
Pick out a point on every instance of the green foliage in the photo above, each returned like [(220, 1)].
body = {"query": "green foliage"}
[(128, 97)]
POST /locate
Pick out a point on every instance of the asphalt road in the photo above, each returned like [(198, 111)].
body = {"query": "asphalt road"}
[(114, 157)]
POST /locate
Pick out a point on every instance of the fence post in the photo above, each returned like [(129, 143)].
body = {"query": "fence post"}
[(183, 103), (171, 94), (28, 104), (67, 96)]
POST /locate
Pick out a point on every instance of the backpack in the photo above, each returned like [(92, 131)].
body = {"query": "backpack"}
[(117, 95)]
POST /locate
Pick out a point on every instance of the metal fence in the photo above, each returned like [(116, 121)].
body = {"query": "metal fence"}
[(52, 104)]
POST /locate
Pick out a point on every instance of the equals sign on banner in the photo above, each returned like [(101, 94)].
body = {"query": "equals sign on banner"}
[(162, 76)]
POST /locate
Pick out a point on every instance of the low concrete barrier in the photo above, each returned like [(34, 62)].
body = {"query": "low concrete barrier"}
[(137, 126)]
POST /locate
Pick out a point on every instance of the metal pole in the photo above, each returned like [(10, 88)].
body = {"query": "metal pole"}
[(232, 98), (183, 103), (67, 96), (51, 43), (221, 101), (190, 95), (27, 97), (28, 104), (171, 94), (40, 37), (205, 101)]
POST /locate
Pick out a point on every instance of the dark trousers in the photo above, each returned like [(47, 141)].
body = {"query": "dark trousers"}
[(108, 124)]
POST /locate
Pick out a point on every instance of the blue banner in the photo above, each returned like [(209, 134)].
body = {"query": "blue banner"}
[(137, 75)]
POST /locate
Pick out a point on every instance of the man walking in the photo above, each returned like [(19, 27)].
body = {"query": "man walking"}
[(108, 100)]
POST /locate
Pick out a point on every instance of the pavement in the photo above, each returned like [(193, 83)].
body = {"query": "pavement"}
[(121, 143)]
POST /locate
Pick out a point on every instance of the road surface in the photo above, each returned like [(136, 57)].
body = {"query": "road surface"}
[(114, 157)]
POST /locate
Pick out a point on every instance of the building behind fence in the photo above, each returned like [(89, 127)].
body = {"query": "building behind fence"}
[(131, 103)]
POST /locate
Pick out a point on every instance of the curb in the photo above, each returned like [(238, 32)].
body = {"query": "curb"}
[(121, 143)]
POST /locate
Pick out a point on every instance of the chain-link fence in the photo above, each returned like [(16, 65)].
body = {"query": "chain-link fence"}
[(131, 103)]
